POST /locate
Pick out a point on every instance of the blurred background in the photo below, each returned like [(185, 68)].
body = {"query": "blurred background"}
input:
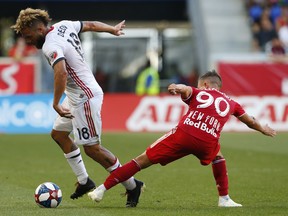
[(245, 41)]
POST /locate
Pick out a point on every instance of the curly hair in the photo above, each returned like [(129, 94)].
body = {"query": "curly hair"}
[(28, 17)]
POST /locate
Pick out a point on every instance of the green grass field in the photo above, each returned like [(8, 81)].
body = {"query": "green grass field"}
[(257, 166)]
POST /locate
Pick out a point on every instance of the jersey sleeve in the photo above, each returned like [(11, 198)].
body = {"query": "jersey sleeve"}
[(238, 110), (78, 25), (54, 53)]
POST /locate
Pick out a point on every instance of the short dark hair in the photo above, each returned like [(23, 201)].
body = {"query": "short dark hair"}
[(213, 77)]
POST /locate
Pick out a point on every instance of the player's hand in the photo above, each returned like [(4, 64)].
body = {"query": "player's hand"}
[(119, 28), (268, 131), (63, 112), (177, 88), (172, 89)]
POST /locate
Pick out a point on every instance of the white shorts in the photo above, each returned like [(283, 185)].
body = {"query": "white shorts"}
[(86, 124)]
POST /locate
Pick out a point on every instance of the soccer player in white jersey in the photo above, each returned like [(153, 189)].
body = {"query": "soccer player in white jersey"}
[(80, 111)]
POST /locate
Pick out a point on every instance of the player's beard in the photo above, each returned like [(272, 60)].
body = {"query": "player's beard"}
[(40, 42)]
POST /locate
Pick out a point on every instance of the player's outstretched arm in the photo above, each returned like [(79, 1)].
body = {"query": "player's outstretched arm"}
[(182, 89), (253, 123), (97, 26)]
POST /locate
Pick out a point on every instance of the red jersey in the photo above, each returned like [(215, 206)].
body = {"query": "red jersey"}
[(208, 112)]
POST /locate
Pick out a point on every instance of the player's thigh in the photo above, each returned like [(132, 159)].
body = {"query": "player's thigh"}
[(166, 149)]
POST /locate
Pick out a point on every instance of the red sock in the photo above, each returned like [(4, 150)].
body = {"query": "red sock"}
[(121, 174), (221, 176)]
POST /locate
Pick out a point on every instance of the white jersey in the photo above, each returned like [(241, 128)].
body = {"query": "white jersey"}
[(62, 42)]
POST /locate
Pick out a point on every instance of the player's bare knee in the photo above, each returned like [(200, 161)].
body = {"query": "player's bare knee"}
[(92, 151), (59, 136), (218, 159), (54, 135), (143, 161)]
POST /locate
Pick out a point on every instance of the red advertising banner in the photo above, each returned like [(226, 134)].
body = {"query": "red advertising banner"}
[(19, 77), (128, 112), (254, 79), (116, 110)]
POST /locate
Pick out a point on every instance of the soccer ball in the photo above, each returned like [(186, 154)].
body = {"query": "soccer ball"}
[(48, 195)]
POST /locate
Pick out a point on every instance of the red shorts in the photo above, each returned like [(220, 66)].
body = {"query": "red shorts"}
[(177, 144)]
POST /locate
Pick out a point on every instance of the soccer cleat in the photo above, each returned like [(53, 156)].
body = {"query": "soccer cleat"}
[(96, 195), (83, 189), (227, 202), (133, 195)]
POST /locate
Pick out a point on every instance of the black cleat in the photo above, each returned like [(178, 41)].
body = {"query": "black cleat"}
[(133, 195), (83, 189)]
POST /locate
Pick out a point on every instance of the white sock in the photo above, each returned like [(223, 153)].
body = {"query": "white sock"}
[(225, 197), (101, 187), (129, 184), (75, 161)]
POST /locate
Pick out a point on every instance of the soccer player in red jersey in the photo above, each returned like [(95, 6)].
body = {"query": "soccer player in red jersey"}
[(197, 133)]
